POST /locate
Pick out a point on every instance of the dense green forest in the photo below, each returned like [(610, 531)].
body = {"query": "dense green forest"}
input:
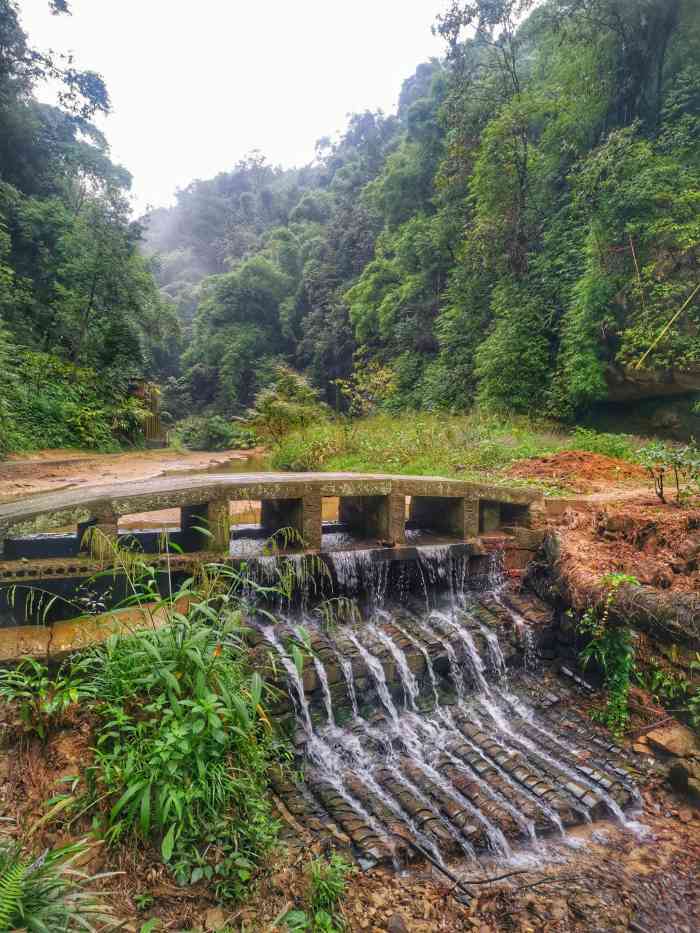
[(517, 235), (80, 313)]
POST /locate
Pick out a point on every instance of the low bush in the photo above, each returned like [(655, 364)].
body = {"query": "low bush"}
[(327, 884), (47, 402), (214, 432), (417, 443), (183, 749), (611, 648), (673, 463), (182, 743), (289, 404)]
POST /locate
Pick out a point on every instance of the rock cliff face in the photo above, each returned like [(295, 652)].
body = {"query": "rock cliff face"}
[(632, 385)]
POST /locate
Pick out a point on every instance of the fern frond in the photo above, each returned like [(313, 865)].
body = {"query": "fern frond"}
[(11, 890)]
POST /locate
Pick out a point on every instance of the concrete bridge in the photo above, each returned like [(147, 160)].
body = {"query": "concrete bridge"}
[(373, 508)]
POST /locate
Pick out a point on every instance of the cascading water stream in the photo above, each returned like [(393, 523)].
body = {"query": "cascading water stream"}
[(419, 646), (349, 677), (475, 763), (474, 659), (414, 745), (326, 690), (375, 668), (408, 681)]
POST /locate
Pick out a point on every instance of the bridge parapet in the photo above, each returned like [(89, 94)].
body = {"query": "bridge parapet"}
[(372, 506)]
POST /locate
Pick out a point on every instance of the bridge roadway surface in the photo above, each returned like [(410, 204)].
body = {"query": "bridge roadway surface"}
[(375, 501)]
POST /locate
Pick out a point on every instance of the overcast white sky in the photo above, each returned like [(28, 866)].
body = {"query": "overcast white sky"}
[(196, 85)]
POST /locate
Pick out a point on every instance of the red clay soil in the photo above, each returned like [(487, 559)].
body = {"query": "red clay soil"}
[(658, 544), (579, 470)]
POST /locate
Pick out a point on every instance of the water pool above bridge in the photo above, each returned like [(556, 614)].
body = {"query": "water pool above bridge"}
[(373, 508)]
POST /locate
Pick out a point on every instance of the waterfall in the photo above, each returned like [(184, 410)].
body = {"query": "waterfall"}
[(479, 771)]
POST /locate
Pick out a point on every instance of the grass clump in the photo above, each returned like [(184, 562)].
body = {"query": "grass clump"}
[(619, 446), (182, 745)]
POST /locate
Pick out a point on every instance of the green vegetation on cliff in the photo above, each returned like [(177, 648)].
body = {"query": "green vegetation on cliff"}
[(523, 227), (80, 313)]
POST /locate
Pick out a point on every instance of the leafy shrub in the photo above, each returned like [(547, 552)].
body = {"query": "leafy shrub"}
[(183, 748), (214, 432), (46, 895), (327, 882), (610, 646), (619, 446), (51, 403), (290, 403)]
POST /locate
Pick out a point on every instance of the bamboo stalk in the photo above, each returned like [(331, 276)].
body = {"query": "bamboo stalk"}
[(669, 325)]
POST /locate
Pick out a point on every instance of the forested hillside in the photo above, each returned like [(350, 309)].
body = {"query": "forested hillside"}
[(80, 313), (518, 234)]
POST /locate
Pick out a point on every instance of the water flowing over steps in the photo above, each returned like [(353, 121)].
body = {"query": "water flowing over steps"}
[(419, 730)]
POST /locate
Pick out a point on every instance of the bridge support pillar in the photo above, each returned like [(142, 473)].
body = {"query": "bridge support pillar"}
[(452, 516), (381, 518), (489, 516), (303, 515), (212, 516)]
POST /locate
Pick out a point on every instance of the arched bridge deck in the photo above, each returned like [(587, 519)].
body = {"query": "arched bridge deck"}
[(373, 507)]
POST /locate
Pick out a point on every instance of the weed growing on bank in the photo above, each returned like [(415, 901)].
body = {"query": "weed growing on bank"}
[(610, 647), (48, 894), (327, 881)]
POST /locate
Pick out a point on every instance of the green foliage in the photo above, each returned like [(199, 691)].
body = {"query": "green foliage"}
[(520, 234), (416, 443), (213, 432), (679, 462), (620, 446), (182, 750), (42, 700), (610, 647), (52, 403), (47, 894), (288, 404), (327, 882), (80, 310)]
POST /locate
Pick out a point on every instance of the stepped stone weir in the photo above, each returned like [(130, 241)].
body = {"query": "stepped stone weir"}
[(420, 730)]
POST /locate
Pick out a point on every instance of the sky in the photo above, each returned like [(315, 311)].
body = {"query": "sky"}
[(196, 85)]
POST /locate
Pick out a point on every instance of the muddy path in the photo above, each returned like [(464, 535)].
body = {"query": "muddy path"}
[(52, 470)]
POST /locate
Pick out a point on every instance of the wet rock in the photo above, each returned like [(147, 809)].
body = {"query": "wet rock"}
[(674, 740), (684, 775), (396, 924)]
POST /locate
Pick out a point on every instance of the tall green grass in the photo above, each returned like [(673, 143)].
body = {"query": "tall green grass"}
[(474, 446)]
